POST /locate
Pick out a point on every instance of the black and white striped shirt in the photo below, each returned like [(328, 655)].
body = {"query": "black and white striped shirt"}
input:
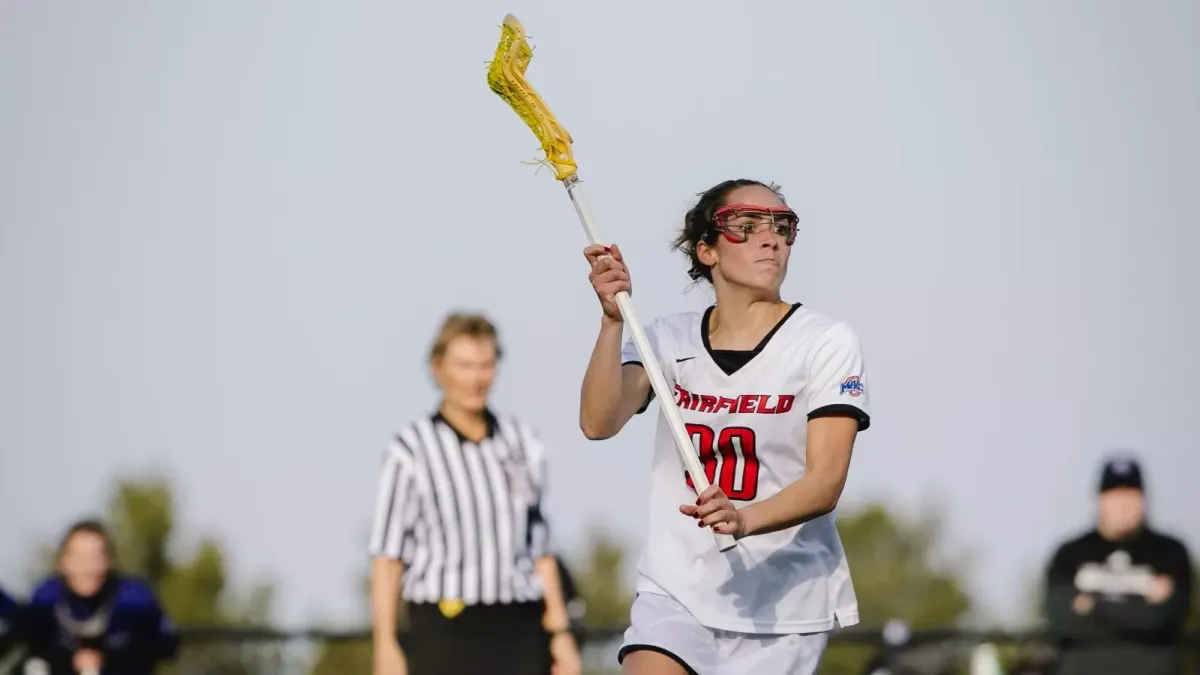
[(465, 518)]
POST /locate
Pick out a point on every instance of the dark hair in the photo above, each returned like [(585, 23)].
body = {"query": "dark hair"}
[(698, 222), (87, 526)]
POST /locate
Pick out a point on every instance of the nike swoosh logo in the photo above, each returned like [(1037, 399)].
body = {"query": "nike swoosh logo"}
[(686, 358)]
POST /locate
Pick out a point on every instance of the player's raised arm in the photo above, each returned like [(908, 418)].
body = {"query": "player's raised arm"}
[(612, 393)]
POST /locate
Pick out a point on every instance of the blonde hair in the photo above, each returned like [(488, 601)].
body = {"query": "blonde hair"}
[(462, 324)]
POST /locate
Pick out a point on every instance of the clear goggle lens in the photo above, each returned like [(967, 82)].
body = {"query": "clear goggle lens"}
[(738, 222)]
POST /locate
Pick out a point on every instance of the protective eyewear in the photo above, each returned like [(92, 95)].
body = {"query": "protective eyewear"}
[(739, 221)]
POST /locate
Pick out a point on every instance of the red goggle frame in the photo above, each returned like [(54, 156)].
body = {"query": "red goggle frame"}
[(738, 221)]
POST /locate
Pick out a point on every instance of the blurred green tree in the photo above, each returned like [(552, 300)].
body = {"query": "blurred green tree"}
[(352, 656), (602, 585), (600, 576), (897, 575)]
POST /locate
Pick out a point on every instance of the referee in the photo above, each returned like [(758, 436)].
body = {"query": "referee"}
[(459, 530)]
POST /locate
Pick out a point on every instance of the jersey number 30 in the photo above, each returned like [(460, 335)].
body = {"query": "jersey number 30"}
[(732, 452)]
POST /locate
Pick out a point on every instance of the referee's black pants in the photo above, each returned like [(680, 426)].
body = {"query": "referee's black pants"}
[(479, 640)]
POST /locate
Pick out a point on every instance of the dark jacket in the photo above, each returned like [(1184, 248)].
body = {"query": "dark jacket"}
[(124, 622), (8, 623), (1123, 632), (576, 607)]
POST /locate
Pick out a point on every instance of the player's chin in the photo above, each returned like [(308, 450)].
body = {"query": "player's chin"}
[(767, 281), (763, 275)]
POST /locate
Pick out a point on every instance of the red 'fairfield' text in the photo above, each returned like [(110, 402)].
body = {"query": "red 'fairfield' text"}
[(762, 404)]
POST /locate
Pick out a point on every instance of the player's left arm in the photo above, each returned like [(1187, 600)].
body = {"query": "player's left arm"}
[(837, 409), (816, 493)]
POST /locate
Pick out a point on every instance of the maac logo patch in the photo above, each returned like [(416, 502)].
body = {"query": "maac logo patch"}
[(852, 385)]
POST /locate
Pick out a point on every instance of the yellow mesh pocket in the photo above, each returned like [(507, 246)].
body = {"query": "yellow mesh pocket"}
[(506, 77)]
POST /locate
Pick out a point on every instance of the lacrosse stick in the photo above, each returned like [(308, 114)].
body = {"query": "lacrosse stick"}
[(506, 77)]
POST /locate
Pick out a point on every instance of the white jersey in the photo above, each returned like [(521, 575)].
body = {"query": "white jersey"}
[(749, 428)]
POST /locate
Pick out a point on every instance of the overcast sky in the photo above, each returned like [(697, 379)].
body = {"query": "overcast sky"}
[(228, 230)]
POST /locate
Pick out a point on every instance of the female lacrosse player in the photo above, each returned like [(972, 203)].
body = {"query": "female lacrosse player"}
[(773, 395), (459, 531)]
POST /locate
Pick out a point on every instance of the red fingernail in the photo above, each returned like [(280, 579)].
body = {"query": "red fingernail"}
[(607, 249)]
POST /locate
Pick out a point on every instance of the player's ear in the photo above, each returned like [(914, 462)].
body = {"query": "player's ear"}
[(706, 253)]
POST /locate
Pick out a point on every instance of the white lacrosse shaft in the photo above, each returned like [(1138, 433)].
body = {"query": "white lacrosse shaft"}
[(658, 382)]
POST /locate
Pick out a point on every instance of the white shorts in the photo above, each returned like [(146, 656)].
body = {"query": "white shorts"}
[(659, 623)]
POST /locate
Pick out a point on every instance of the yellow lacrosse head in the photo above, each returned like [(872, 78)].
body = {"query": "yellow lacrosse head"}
[(506, 77)]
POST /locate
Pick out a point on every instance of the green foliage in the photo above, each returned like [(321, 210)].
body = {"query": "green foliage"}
[(142, 518), (343, 658), (599, 577), (601, 582), (351, 656), (893, 562)]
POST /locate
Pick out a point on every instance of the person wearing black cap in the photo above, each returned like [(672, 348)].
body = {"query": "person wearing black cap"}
[(1117, 597)]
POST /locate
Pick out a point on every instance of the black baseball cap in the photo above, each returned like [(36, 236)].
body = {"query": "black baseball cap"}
[(1121, 472)]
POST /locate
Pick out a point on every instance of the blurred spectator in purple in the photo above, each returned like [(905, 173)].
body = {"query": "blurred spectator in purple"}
[(89, 619)]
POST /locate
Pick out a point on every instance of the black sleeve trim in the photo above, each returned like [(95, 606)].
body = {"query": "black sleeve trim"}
[(627, 649), (843, 410), (649, 394)]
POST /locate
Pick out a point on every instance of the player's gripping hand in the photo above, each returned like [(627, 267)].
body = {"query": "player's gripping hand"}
[(609, 276), (713, 509)]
